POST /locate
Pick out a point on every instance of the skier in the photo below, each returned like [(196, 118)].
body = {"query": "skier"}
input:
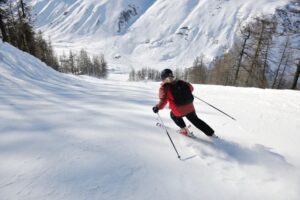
[(178, 94)]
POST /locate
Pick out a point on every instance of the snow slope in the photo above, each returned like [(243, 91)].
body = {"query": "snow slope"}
[(67, 137), (158, 34)]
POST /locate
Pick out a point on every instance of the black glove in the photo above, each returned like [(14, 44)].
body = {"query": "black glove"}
[(155, 109)]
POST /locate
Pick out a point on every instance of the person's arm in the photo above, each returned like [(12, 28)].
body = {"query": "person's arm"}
[(163, 100)]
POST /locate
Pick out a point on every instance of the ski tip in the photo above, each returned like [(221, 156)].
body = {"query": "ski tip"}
[(214, 136), (191, 134)]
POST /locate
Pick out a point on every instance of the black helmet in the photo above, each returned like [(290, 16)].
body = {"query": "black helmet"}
[(166, 73)]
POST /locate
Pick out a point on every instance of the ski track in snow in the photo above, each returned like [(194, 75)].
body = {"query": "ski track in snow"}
[(67, 137)]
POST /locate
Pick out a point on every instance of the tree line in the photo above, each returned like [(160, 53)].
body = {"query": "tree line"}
[(144, 74), (82, 63), (260, 57), (16, 28), (195, 74)]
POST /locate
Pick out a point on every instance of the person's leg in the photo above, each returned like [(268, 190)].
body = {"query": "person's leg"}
[(205, 128), (178, 120)]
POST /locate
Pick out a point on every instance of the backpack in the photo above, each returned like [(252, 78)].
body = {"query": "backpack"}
[(181, 93)]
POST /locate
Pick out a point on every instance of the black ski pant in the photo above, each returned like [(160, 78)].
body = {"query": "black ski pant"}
[(193, 118)]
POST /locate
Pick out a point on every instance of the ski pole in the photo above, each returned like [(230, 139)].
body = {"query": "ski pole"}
[(215, 108), (169, 136)]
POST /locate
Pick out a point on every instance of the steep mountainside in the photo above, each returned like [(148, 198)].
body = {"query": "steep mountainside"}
[(147, 33)]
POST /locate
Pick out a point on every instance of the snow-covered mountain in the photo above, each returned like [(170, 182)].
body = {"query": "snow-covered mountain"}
[(73, 138), (148, 33)]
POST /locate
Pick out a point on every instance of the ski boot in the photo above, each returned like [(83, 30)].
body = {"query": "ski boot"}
[(186, 132)]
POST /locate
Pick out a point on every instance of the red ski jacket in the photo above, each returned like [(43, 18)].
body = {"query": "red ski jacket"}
[(165, 96)]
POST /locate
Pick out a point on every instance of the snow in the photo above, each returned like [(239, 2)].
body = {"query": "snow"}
[(68, 137), (162, 34)]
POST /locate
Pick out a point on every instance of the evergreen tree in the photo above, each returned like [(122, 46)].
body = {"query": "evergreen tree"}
[(104, 69), (72, 62), (17, 29), (84, 62), (3, 16), (64, 63), (132, 75), (144, 74)]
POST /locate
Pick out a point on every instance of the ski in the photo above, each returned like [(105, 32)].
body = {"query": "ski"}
[(190, 134)]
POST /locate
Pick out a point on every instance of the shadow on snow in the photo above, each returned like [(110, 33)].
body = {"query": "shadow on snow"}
[(230, 151)]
